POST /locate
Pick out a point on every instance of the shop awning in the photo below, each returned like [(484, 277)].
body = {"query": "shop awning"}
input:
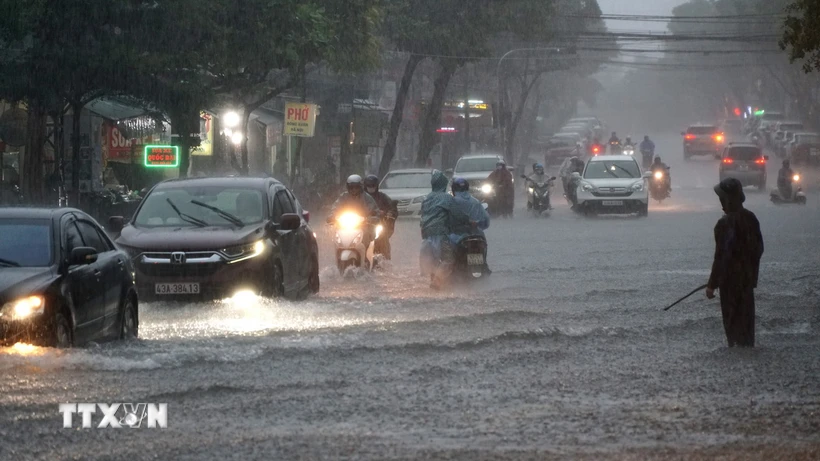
[(115, 109), (266, 116)]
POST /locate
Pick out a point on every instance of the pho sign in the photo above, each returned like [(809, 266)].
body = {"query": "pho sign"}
[(161, 156), (300, 119)]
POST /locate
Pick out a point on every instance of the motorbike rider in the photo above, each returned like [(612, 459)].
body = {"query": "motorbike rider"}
[(538, 176), (502, 182), (439, 213), (658, 165), (355, 200), (614, 143), (389, 212), (479, 219), (647, 149), (628, 141), (784, 180)]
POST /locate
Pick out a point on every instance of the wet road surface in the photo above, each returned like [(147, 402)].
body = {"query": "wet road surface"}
[(564, 353)]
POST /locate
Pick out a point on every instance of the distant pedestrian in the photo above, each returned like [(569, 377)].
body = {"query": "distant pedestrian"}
[(738, 249)]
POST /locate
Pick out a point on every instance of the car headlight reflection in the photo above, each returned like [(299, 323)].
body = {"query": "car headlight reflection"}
[(244, 252), (23, 308)]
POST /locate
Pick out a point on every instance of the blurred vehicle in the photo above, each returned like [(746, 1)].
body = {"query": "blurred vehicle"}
[(62, 280), (593, 123), (702, 139), (355, 243), (407, 187), (744, 162), (613, 184), (559, 148), (732, 129), (215, 237), (615, 147), (476, 169), (628, 149), (782, 147), (659, 184), (797, 195), (538, 194), (805, 149)]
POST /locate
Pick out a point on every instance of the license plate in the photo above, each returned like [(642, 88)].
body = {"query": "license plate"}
[(743, 168), (176, 288), (612, 203), (475, 259)]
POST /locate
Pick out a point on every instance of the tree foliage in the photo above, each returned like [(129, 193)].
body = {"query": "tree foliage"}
[(801, 35)]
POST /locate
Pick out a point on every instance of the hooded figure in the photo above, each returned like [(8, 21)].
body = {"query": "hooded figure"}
[(437, 254), (738, 249), (467, 205), (502, 180)]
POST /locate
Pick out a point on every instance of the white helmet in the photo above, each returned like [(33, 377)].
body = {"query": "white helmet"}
[(354, 185), (354, 179)]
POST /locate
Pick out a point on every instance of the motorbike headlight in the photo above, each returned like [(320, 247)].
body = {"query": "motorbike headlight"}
[(486, 189), (419, 199), (796, 178), (638, 186), (349, 220), (246, 251), (531, 190), (658, 175), (23, 308)]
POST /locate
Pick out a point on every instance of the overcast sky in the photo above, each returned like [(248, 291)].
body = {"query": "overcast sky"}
[(651, 7)]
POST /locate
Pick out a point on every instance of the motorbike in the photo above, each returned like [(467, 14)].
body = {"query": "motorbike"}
[(797, 195), (659, 185), (571, 189), (539, 194), (471, 260), (615, 147), (646, 158), (351, 249), (628, 149)]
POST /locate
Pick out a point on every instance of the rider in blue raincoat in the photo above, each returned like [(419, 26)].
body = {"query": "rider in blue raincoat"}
[(437, 253), (470, 206)]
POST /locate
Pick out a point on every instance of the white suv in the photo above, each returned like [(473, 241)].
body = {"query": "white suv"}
[(613, 184)]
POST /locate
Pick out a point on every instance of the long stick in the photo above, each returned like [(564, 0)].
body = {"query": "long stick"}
[(690, 294)]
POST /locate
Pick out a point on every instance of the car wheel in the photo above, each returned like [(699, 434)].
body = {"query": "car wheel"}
[(643, 212), (63, 335), (129, 328), (276, 281)]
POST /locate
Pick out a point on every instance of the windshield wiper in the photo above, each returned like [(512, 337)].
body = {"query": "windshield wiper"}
[(6, 262), (186, 217), (229, 217), (606, 167)]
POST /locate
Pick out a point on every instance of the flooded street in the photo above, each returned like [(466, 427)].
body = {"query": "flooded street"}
[(564, 352)]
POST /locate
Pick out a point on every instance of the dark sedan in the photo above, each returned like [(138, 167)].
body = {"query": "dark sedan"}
[(214, 237), (62, 280)]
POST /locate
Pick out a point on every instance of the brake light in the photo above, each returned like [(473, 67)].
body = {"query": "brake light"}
[(761, 161), (689, 137), (596, 149), (728, 160), (719, 137)]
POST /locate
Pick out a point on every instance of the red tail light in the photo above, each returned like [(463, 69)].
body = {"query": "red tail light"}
[(719, 137), (689, 137), (596, 149), (761, 161), (728, 160)]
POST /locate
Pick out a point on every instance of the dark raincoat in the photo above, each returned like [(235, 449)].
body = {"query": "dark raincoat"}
[(390, 212), (738, 249), (502, 181)]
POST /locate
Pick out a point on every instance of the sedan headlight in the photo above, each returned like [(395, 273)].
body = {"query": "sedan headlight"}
[(243, 252), (419, 199), (487, 189), (638, 186), (23, 308)]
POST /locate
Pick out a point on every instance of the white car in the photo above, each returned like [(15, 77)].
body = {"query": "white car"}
[(613, 184), (408, 188), (476, 169)]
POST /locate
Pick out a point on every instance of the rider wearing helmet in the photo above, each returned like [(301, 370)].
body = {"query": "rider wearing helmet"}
[(389, 213), (470, 206), (647, 150), (784, 179), (658, 165), (502, 182), (354, 199), (614, 144)]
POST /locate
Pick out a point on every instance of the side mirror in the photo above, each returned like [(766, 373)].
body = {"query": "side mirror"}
[(116, 224), (306, 215), (81, 256), (289, 222)]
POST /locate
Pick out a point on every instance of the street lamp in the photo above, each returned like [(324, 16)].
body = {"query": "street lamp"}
[(230, 119), (236, 137), (500, 103)]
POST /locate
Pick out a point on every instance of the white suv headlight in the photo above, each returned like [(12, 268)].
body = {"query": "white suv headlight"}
[(638, 186), (588, 187)]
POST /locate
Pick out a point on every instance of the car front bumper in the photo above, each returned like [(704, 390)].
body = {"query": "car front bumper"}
[(30, 331), (624, 203), (411, 210)]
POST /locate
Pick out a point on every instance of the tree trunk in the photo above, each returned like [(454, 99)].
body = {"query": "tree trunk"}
[(432, 116), (297, 156), (245, 168), (76, 114), (32, 177), (389, 151), (182, 123), (519, 111)]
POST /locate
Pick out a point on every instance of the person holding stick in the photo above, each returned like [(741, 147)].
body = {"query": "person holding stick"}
[(738, 249)]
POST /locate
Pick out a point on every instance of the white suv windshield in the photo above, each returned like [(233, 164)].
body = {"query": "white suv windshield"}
[(158, 209), (475, 165), (621, 169)]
